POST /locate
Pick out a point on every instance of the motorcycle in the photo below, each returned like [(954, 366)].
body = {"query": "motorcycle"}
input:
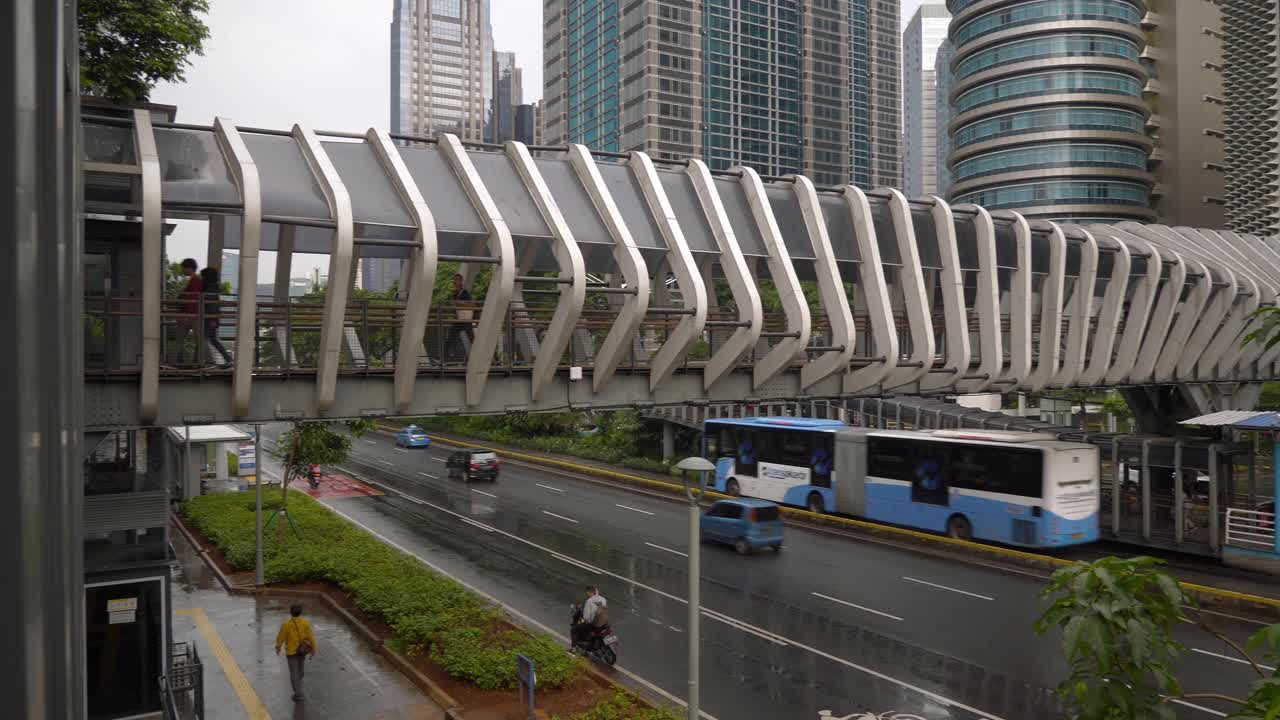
[(313, 477), (601, 643)]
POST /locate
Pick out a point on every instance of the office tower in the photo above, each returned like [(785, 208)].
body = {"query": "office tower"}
[(782, 86), (942, 118), (1047, 108), (378, 274), (508, 94), (920, 41), (441, 67), (1250, 58), (1185, 95), (526, 124)]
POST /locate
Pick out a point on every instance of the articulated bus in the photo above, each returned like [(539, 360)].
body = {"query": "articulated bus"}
[(1015, 488)]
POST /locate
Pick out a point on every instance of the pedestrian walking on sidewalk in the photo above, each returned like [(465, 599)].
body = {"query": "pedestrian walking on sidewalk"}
[(298, 641)]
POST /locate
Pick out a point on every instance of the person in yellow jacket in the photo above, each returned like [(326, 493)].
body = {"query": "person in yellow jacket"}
[(298, 641)]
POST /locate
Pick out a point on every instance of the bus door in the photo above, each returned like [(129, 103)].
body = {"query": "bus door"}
[(928, 481)]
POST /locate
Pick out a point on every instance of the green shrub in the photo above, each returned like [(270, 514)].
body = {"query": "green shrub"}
[(622, 706), (428, 612)]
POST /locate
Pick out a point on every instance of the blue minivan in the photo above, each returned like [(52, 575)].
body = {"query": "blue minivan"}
[(744, 523)]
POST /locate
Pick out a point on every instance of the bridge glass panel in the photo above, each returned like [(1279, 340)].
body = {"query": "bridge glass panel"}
[(926, 237), (457, 222), (839, 221), (790, 219), (886, 232), (740, 217), (684, 202), (509, 194), (192, 169), (629, 198), (288, 187), (574, 203), (376, 205)]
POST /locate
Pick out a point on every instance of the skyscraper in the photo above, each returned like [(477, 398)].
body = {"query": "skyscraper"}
[(1250, 60), (441, 67), (942, 117), (1047, 108), (920, 41), (508, 94), (778, 85)]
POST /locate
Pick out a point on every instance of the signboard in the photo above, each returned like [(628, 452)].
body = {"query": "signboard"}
[(248, 459), (122, 610), (122, 604), (120, 618), (528, 678)]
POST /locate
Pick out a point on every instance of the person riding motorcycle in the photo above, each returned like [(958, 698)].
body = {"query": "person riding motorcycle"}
[(595, 614)]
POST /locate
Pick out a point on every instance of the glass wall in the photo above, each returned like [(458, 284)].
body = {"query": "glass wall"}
[(1049, 119), (1051, 46), (1048, 11), (1051, 156), (1060, 192), (1055, 82)]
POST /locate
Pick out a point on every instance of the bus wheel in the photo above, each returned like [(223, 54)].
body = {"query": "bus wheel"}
[(732, 488), (814, 504), (959, 528)]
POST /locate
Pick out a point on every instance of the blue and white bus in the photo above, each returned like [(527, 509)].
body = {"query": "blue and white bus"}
[(1009, 487)]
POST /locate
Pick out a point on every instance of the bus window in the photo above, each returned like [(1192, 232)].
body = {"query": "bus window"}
[(930, 473), (888, 458), (748, 454), (821, 460)]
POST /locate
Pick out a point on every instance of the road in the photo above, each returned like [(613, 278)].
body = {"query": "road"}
[(831, 623)]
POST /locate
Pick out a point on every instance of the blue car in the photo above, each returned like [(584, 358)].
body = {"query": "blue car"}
[(744, 523), (412, 436)]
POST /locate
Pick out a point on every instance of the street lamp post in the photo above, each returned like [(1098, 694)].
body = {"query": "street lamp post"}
[(701, 466)]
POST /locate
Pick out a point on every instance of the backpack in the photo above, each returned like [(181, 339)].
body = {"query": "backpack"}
[(304, 645)]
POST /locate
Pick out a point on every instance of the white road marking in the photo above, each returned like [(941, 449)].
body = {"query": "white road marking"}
[(852, 605), (746, 628), (738, 625), (370, 442), (625, 507), (426, 474), (944, 587), (400, 449), (673, 552), (548, 512), (548, 487), (575, 563), (523, 619), (1242, 661), (483, 493), (482, 526), (385, 462), (1194, 706)]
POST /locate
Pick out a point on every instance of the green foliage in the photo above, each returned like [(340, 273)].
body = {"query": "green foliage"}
[(622, 706), (427, 611), (127, 46), (308, 443), (1270, 397), (1268, 332), (1115, 615), (1115, 404), (1263, 702)]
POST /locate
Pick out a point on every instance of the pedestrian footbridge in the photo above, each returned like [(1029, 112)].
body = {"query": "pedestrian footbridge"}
[(609, 280)]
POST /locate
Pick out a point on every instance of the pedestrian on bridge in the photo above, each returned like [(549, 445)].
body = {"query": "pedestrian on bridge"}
[(465, 312), (298, 641)]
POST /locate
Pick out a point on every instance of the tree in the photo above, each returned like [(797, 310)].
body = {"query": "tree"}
[(1115, 405), (312, 442), (1268, 332), (127, 46), (1115, 616)]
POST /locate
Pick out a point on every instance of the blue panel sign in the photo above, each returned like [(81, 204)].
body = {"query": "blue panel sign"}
[(528, 677)]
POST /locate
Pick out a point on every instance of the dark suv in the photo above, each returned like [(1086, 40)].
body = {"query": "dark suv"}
[(468, 465)]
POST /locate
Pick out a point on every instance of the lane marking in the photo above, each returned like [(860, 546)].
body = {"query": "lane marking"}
[(852, 605), (249, 699), (673, 552), (575, 563), (484, 493), (548, 512), (739, 625), (523, 618), (1194, 706), (944, 587), (626, 507), (427, 474), (482, 526), (744, 627), (548, 487), (1242, 661), (370, 442), (385, 462)]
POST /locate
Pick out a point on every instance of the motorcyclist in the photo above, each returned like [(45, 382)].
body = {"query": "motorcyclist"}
[(595, 614), (314, 476)]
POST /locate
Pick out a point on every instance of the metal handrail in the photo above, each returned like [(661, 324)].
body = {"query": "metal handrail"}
[(1251, 529)]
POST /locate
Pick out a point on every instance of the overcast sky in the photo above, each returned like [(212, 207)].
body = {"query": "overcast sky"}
[(322, 63)]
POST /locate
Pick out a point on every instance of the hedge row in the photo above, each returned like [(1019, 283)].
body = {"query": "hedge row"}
[(429, 612)]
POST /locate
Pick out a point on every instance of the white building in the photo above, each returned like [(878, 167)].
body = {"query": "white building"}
[(926, 31)]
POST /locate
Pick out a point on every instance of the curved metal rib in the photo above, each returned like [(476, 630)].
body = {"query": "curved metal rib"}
[(914, 297), (693, 294), (746, 296), (1081, 303), (152, 266), (986, 304), (501, 284), (794, 305), (245, 174), (572, 267), (830, 289), (1020, 300), (420, 267), (875, 294), (1103, 343), (956, 359), (1049, 355)]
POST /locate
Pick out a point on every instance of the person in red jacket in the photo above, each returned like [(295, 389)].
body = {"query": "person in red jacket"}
[(191, 296)]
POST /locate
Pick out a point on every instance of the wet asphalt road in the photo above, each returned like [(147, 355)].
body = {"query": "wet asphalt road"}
[(830, 623)]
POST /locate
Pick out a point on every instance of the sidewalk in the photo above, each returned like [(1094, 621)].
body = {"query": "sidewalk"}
[(243, 677)]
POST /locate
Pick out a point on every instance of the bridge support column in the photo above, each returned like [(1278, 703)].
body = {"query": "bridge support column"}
[(668, 441)]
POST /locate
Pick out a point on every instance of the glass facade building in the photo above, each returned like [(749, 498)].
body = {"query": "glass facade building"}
[(920, 44), (1047, 114), (782, 86), (441, 67)]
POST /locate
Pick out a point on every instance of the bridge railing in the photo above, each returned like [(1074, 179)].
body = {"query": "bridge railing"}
[(1251, 530)]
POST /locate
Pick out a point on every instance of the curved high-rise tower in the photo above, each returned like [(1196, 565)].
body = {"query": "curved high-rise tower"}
[(1047, 114)]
